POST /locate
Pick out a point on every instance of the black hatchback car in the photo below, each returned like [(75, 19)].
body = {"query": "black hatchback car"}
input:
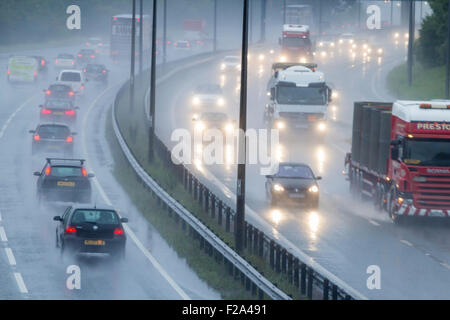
[(91, 229), (85, 56), (64, 180), (52, 137), (59, 91), (293, 183), (58, 110), (96, 72)]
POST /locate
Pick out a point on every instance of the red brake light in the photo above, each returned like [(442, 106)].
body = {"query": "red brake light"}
[(9, 72), (87, 43), (48, 92), (70, 93), (70, 112), (115, 18), (79, 55), (73, 62), (37, 138), (35, 73), (92, 56), (71, 229), (46, 111), (42, 62), (82, 86), (47, 171), (56, 61), (84, 172), (104, 71), (137, 19), (84, 70), (69, 139), (118, 231)]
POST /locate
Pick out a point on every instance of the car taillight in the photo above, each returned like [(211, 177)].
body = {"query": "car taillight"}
[(56, 61), (73, 62), (69, 139), (87, 43), (47, 171), (35, 73), (42, 62), (46, 111), (70, 93), (84, 70), (48, 92), (118, 231), (9, 72), (79, 55), (82, 86), (84, 172), (100, 44), (37, 138), (92, 56), (71, 229), (70, 112), (104, 71)]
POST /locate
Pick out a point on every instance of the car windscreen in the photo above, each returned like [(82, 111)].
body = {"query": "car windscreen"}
[(209, 89), (65, 171), (232, 59), (58, 104), (71, 76), (427, 152), (65, 56), (294, 171), (94, 216), (95, 68), (214, 116), (53, 132), (87, 51), (301, 95), (296, 42)]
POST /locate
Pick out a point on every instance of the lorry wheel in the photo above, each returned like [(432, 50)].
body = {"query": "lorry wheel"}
[(397, 219)]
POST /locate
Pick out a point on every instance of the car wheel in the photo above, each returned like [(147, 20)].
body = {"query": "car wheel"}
[(397, 219), (119, 255)]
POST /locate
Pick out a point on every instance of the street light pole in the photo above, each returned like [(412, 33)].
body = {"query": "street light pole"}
[(165, 32), (151, 136), (239, 228), (141, 36), (215, 27), (284, 11), (410, 40), (392, 10), (320, 18), (133, 54), (263, 22), (447, 73)]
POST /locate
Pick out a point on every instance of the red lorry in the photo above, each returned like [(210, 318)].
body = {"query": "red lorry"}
[(401, 157), (295, 43)]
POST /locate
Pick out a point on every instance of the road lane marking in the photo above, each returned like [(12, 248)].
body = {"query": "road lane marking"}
[(3, 234), (407, 243), (0, 216), (6, 124), (374, 223), (445, 265), (133, 237), (10, 255), (20, 282)]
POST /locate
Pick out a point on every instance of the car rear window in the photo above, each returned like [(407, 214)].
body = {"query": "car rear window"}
[(87, 51), (209, 89), (65, 56), (53, 131), (94, 68), (58, 171), (95, 216), (292, 171), (71, 76), (232, 59), (59, 88), (214, 116), (61, 104)]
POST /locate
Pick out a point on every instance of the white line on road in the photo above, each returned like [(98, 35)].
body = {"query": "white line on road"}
[(407, 243), (133, 237), (0, 216), (3, 234), (5, 125), (374, 223), (20, 283), (10, 255)]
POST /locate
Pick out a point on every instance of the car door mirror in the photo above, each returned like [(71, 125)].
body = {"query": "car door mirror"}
[(77, 108), (32, 131), (269, 176), (395, 152), (91, 175), (57, 218), (319, 178), (272, 93), (124, 220), (74, 133), (329, 94), (41, 106), (37, 174)]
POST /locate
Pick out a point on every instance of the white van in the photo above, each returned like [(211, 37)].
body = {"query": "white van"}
[(22, 69), (73, 78)]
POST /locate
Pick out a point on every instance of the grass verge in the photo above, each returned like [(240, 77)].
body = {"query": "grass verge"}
[(427, 83)]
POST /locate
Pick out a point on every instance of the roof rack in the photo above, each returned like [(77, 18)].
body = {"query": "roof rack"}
[(284, 65), (49, 160)]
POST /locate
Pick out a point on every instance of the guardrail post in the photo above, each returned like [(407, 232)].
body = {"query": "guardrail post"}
[(310, 282), (195, 188), (325, 289), (255, 240), (250, 238), (247, 284), (245, 234), (169, 210), (334, 294), (278, 259), (213, 206), (296, 270), (261, 244), (303, 278), (202, 242), (272, 254), (190, 182), (227, 219), (283, 260), (253, 289), (219, 214), (289, 267), (260, 294), (206, 200), (185, 177), (200, 194)]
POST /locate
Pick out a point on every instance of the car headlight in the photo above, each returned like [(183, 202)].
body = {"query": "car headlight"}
[(380, 51), (320, 44), (278, 187), (341, 41), (280, 125), (334, 95), (271, 51), (195, 101), (229, 127), (313, 189), (396, 35), (261, 57), (283, 59), (222, 66), (302, 60), (238, 67), (321, 126), (332, 44), (220, 101), (200, 126)]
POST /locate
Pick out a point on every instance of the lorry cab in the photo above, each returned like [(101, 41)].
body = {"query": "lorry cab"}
[(299, 97), (295, 43), (22, 69)]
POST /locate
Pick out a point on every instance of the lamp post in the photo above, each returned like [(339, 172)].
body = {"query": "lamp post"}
[(151, 136), (410, 40), (133, 54)]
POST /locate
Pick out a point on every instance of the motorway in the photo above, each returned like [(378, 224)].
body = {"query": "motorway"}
[(30, 265), (344, 235)]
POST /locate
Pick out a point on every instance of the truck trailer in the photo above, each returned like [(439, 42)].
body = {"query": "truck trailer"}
[(400, 157)]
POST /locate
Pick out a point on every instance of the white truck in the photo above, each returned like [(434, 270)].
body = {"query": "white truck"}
[(299, 98), (73, 78), (22, 69)]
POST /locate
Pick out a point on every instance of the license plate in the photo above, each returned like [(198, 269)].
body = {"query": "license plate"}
[(303, 126), (296, 195), (94, 242), (66, 184), (312, 118), (57, 113), (436, 213)]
